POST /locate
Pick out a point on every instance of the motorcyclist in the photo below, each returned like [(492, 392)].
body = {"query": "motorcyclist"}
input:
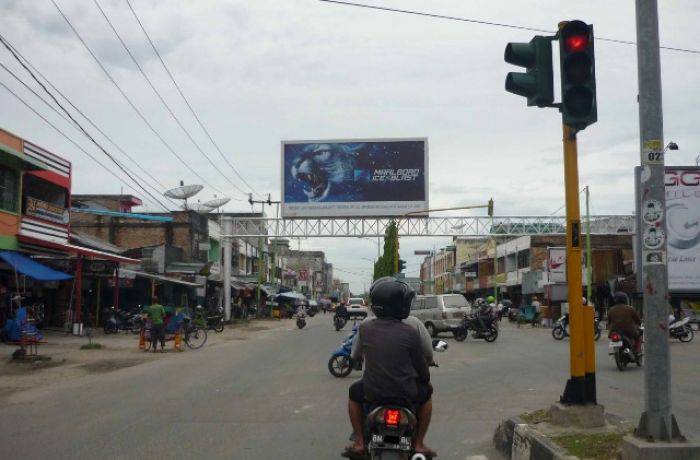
[(395, 359), (625, 320), (484, 312), (301, 311), (341, 311)]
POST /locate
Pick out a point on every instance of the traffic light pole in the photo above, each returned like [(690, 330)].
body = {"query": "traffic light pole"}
[(657, 421), (575, 391)]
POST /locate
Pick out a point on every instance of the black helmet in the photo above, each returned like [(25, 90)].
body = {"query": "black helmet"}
[(621, 298), (391, 298)]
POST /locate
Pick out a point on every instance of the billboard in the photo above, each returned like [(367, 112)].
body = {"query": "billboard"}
[(354, 178), (682, 229)]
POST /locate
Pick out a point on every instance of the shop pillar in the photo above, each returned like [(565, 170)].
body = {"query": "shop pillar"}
[(116, 288), (77, 322)]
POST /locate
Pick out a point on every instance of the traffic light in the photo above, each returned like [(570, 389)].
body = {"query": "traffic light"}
[(490, 208), (577, 61), (537, 83), (402, 265)]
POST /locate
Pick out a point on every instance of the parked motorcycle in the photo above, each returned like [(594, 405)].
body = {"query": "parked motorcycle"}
[(681, 330), (471, 322), (339, 364), (622, 349), (123, 320), (212, 318), (561, 328), (390, 428)]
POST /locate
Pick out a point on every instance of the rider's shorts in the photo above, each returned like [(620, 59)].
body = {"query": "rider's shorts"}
[(357, 392)]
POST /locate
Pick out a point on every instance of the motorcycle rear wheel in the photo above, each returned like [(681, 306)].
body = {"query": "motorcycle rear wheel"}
[(492, 335), (597, 334), (301, 324), (339, 366), (688, 335), (219, 326), (620, 360), (558, 333)]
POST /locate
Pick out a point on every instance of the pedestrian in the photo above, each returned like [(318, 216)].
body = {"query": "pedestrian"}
[(156, 314), (538, 310)]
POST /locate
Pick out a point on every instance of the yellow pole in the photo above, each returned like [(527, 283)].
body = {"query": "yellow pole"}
[(574, 392)]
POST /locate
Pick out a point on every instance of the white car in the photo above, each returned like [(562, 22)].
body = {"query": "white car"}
[(356, 307)]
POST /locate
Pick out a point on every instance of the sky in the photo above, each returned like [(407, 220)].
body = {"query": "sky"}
[(259, 72)]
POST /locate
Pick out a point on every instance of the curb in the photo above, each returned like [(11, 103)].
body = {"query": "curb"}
[(517, 441)]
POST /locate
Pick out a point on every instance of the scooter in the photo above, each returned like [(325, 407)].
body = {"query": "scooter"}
[(390, 428), (339, 364), (561, 328), (681, 330), (623, 352), (301, 321), (122, 320), (339, 322)]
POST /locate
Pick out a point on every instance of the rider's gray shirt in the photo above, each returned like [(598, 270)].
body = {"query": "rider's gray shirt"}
[(426, 341)]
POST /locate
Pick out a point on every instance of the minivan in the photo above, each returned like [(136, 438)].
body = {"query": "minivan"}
[(440, 312)]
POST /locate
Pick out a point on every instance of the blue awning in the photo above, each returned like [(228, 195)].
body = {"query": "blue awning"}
[(32, 268)]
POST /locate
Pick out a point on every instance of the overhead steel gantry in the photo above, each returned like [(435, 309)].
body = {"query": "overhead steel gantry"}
[(465, 226)]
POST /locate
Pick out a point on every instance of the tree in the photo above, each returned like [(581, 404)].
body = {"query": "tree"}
[(387, 263)]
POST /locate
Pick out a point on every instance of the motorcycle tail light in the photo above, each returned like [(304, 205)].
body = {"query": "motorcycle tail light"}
[(392, 417), (615, 337)]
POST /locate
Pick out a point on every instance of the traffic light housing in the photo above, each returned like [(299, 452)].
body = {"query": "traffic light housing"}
[(402, 265), (490, 208), (537, 83), (577, 62)]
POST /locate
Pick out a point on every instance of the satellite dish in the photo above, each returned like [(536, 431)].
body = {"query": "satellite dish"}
[(183, 192), (201, 208), (217, 202)]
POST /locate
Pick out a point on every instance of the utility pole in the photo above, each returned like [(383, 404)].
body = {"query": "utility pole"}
[(227, 241), (589, 267), (657, 422)]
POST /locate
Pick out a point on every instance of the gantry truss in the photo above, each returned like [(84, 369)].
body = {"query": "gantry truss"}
[(468, 226)]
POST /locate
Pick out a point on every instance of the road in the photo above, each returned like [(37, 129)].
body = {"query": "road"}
[(270, 396)]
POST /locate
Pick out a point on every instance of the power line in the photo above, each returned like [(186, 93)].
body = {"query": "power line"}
[(17, 53), (26, 104), (162, 100), (68, 120), (133, 106), (88, 135), (489, 23), (179, 90)]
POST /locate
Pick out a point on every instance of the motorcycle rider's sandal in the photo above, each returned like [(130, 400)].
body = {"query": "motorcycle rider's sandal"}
[(354, 454)]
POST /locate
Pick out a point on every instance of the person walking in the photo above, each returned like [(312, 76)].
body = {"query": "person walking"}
[(156, 314)]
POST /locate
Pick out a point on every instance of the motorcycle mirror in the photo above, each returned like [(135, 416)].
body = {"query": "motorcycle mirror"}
[(439, 345)]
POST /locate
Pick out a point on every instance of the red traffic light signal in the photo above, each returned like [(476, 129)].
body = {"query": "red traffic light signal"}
[(576, 43), (577, 61)]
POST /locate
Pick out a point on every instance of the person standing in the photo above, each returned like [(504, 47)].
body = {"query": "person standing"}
[(156, 314)]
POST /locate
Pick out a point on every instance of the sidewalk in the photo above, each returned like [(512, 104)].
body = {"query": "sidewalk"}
[(68, 362)]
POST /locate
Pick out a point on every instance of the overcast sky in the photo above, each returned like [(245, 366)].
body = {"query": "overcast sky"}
[(263, 71)]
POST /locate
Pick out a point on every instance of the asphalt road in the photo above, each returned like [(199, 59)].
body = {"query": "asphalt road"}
[(272, 397)]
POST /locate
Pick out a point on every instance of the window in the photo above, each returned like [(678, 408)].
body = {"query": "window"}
[(9, 189), (524, 258), (431, 302), (454, 301), (45, 191)]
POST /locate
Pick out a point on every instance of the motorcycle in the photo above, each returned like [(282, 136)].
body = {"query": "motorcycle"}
[(681, 330), (623, 352), (123, 320), (301, 321), (339, 322), (561, 328), (391, 428), (339, 364), (210, 319), (471, 322)]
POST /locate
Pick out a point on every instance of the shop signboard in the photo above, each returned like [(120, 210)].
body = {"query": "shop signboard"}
[(354, 178), (682, 212), (47, 211)]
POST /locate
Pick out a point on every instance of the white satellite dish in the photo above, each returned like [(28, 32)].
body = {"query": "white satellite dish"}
[(201, 208), (217, 202), (183, 192)]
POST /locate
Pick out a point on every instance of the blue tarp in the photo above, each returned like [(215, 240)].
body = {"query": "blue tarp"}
[(31, 268)]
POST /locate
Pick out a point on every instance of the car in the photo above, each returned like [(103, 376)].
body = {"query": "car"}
[(356, 307), (440, 313)]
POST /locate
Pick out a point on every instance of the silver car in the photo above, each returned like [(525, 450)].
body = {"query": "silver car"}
[(440, 312)]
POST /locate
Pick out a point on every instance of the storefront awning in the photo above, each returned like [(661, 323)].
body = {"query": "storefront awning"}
[(78, 250), (153, 276), (32, 268)]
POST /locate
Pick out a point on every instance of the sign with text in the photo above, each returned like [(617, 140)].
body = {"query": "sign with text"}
[(348, 178), (46, 211)]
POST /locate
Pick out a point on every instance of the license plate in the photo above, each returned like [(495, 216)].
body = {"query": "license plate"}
[(615, 344)]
